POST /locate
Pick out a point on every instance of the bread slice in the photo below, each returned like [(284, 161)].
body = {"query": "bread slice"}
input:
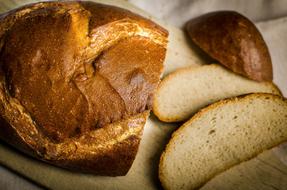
[(220, 136), (185, 91)]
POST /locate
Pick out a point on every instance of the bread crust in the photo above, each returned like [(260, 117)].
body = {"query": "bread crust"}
[(234, 41), (76, 83)]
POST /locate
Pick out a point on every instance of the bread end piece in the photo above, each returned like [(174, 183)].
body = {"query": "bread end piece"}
[(234, 41)]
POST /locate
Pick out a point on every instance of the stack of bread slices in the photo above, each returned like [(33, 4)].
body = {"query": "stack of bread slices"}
[(232, 110)]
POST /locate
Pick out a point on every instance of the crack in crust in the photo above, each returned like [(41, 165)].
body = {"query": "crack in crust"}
[(126, 42)]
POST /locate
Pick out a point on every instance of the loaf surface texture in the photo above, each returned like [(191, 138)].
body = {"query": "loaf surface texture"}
[(220, 136), (234, 41), (184, 92), (77, 82)]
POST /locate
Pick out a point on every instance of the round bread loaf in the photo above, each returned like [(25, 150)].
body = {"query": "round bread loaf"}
[(76, 83), (234, 41)]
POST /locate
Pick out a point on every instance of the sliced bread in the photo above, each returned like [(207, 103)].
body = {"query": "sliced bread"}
[(220, 136), (184, 92)]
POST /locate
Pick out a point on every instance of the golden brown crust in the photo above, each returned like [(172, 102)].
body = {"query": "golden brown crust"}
[(71, 70), (234, 41)]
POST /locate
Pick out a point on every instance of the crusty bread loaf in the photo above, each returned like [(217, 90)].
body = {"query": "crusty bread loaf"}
[(185, 91), (234, 41), (77, 81), (220, 136)]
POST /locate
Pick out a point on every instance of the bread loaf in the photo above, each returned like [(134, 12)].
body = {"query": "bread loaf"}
[(77, 82), (234, 41), (184, 92), (220, 136)]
